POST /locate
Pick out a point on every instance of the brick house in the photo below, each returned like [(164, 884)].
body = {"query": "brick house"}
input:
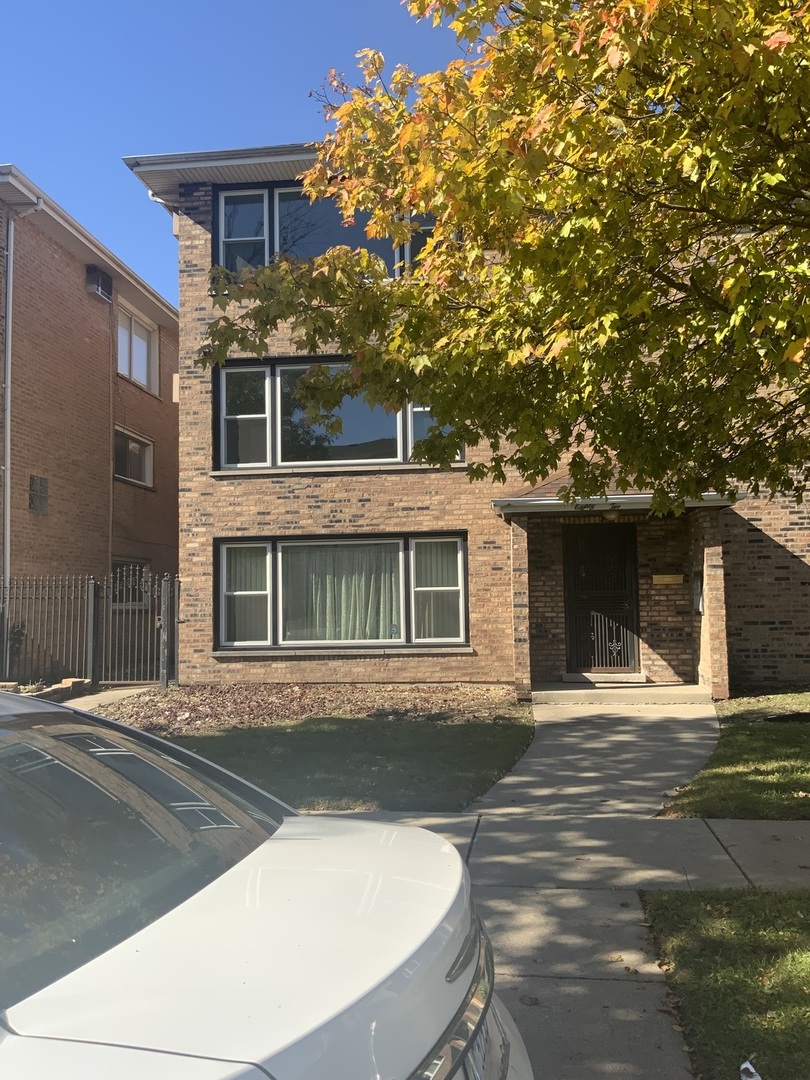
[(307, 559), (89, 421)]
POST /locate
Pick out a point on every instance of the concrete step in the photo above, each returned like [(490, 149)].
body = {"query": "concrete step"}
[(610, 694)]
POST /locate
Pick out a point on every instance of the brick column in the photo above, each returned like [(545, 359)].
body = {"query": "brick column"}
[(712, 645)]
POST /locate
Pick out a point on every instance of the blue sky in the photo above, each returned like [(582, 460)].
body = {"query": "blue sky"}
[(89, 82)]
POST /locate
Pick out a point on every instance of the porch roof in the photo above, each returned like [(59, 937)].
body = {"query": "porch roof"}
[(636, 503)]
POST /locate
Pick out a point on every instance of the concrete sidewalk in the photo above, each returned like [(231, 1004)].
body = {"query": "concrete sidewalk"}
[(559, 851)]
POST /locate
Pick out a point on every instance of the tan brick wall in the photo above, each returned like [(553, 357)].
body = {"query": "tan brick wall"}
[(766, 550), (665, 615), (325, 502), (709, 625), (65, 391)]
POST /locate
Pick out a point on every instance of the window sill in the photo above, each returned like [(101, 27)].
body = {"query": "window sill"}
[(329, 652), (252, 472), (141, 386), (133, 483)]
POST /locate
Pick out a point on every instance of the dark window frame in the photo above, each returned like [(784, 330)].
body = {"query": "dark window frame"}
[(274, 545), (272, 367)]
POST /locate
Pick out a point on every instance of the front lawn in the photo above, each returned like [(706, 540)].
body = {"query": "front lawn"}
[(346, 747), (760, 768), (739, 974)]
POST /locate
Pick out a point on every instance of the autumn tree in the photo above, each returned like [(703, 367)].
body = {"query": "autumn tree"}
[(613, 198)]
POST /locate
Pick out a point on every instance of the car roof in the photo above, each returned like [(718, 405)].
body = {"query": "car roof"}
[(13, 706)]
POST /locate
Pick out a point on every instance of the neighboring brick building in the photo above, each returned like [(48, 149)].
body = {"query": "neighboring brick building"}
[(90, 427), (306, 559)]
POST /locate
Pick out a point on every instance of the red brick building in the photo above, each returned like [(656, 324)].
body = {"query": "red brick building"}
[(306, 557), (89, 450)]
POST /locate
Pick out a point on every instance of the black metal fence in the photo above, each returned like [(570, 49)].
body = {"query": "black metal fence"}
[(120, 629)]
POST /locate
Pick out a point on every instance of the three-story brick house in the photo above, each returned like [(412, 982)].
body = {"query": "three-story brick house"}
[(307, 557)]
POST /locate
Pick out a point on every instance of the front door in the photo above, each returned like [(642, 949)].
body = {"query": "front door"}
[(601, 606)]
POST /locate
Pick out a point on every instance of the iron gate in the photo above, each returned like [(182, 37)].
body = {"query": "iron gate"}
[(119, 629)]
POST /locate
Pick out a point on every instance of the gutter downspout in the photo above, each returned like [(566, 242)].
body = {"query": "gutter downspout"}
[(6, 572)]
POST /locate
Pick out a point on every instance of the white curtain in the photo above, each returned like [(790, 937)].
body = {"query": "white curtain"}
[(340, 592)]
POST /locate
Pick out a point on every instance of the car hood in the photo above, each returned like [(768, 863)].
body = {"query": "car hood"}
[(328, 944)]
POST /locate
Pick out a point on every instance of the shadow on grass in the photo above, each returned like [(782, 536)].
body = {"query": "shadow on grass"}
[(373, 763), (740, 969), (757, 771)]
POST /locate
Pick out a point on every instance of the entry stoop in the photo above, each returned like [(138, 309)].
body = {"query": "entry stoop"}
[(624, 693)]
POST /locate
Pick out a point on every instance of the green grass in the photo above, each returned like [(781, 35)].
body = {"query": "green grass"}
[(739, 973), (337, 763), (761, 766)]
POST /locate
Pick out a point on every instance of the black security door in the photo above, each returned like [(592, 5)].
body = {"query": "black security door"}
[(601, 607)]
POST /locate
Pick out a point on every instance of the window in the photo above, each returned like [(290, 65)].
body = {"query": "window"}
[(305, 229), (38, 494), (137, 350), (133, 459), (386, 591), (366, 433), (256, 224), (243, 230), (263, 424), (246, 594)]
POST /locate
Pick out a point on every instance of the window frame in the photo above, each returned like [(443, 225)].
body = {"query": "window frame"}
[(152, 384), (149, 459), (282, 544), (224, 416), (415, 589), (223, 592), (274, 553), (276, 421), (272, 370), (227, 193)]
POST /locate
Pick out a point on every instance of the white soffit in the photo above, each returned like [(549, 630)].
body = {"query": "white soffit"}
[(163, 174), (531, 504)]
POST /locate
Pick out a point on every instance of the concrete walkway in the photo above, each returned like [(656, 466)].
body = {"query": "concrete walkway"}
[(558, 852)]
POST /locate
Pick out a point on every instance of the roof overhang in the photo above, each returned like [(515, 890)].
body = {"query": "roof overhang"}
[(621, 504), (164, 174), (21, 195)]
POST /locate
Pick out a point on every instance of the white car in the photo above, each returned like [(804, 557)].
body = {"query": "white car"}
[(161, 918)]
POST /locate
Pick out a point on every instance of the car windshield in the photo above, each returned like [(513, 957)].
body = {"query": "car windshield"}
[(101, 833)]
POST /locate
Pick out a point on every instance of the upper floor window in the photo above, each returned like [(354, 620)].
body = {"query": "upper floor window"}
[(133, 458), (256, 225), (244, 233), (138, 350), (263, 423)]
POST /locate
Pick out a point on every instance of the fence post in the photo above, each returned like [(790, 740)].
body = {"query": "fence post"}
[(4, 631), (175, 654), (93, 631), (165, 629)]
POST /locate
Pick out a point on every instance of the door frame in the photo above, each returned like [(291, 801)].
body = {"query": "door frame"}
[(631, 574)]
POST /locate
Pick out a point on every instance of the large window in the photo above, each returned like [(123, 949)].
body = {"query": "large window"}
[(137, 350), (263, 423), (255, 225), (305, 229), (397, 590)]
